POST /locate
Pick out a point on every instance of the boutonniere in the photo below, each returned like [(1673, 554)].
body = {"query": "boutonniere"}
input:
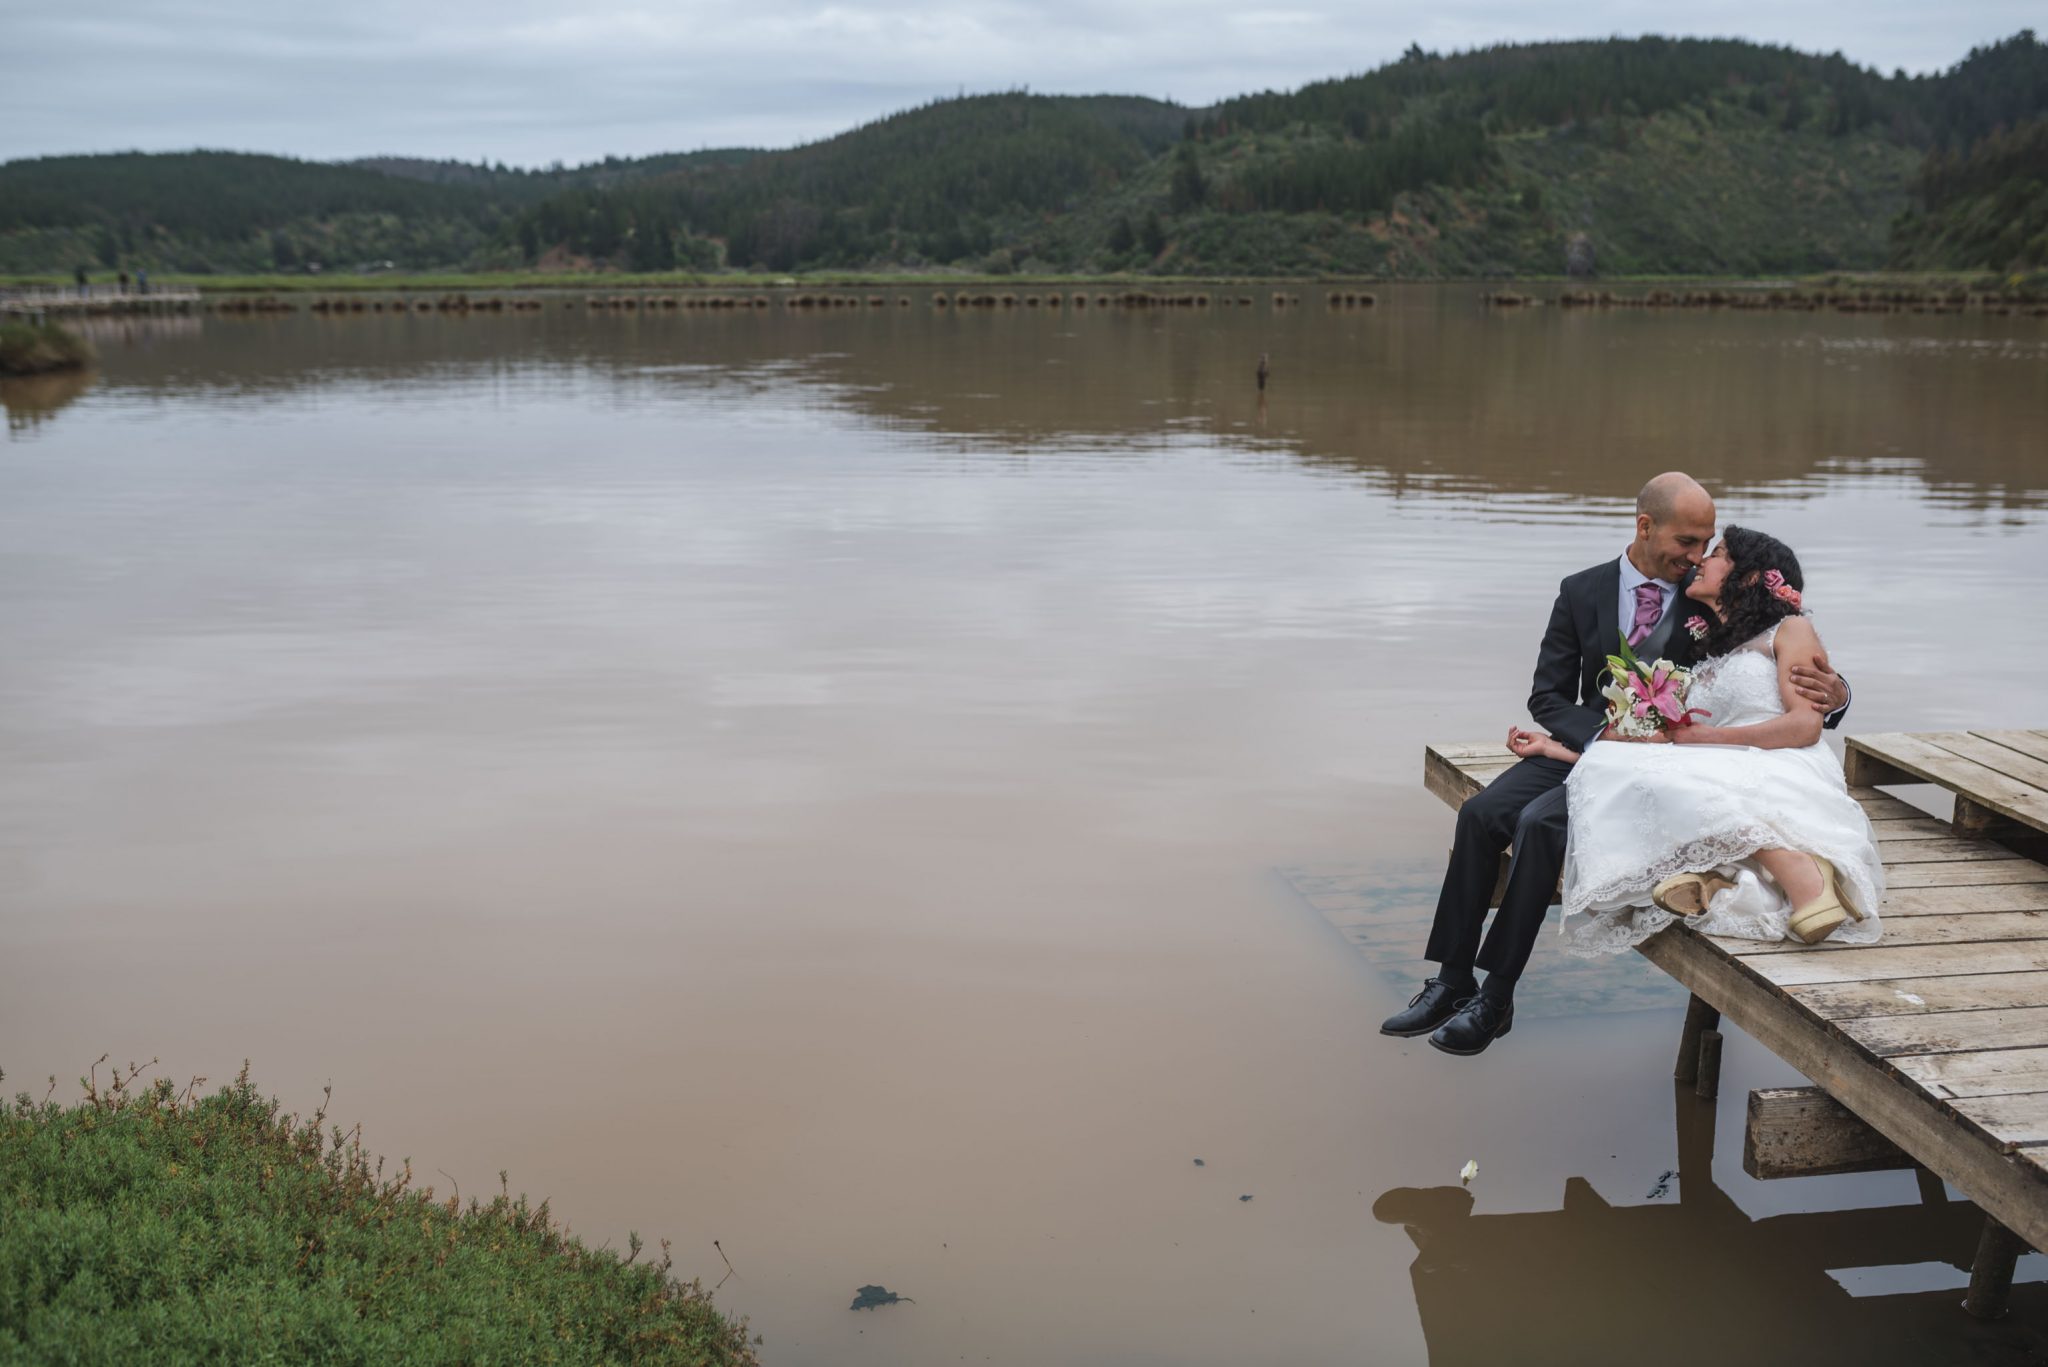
[(1696, 627)]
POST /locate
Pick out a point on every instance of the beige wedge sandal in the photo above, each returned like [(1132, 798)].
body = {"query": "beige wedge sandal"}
[(1687, 894), (1825, 914)]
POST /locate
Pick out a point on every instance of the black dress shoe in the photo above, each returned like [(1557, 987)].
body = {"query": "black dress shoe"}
[(1436, 1003), (1480, 1022)]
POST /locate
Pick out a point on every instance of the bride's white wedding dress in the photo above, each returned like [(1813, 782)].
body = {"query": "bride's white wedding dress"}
[(1640, 813)]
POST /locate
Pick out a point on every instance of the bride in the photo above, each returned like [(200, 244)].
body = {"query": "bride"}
[(1741, 822)]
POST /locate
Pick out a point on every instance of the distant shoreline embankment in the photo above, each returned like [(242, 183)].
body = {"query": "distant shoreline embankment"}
[(38, 348)]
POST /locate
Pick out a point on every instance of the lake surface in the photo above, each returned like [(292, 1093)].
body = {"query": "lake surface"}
[(844, 785)]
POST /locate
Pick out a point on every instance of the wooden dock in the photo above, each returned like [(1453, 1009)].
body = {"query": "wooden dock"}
[(1935, 1038), (104, 300)]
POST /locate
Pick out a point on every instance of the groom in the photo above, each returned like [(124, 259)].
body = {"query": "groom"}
[(1640, 595)]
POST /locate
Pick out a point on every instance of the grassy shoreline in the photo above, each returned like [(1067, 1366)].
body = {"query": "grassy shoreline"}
[(41, 348), (1976, 281), (147, 1225)]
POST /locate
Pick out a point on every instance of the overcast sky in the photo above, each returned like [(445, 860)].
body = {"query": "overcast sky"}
[(528, 83)]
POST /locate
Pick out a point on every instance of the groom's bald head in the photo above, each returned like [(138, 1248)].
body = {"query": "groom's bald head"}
[(1674, 526), (1672, 492)]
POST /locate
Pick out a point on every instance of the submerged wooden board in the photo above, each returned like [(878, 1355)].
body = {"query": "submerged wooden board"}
[(1383, 911), (1937, 1036)]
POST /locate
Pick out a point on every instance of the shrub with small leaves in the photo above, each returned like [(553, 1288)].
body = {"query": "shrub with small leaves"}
[(150, 1224)]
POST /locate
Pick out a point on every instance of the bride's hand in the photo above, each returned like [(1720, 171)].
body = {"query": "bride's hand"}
[(1534, 744)]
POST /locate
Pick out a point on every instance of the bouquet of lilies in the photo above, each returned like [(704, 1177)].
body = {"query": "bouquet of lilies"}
[(1644, 698)]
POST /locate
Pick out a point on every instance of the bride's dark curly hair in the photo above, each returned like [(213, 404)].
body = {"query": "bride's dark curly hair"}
[(1750, 604)]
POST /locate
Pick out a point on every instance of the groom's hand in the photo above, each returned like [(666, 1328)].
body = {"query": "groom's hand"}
[(1818, 683)]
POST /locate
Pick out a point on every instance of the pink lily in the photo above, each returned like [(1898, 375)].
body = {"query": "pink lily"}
[(1660, 691)]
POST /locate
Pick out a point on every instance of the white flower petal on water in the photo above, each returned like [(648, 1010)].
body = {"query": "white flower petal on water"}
[(1468, 1172)]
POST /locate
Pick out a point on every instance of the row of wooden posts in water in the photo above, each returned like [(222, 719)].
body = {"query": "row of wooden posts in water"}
[(630, 303), (1841, 301), (1798, 301)]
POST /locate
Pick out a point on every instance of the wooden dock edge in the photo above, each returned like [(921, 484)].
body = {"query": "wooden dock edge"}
[(1996, 1181)]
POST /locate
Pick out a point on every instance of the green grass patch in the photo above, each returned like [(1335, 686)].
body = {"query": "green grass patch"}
[(32, 349), (149, 1225)]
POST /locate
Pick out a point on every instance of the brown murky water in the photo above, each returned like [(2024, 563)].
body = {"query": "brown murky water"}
[(845, 785)]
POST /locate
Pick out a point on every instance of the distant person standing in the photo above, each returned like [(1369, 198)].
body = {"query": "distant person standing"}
[(142, 282), (124, 282), (84, 288)]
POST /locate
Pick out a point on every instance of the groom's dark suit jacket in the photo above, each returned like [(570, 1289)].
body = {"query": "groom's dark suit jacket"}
[(1585, 628)]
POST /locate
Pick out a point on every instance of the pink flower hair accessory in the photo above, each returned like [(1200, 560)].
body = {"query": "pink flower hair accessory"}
[(1696, 627), (1781, 590)]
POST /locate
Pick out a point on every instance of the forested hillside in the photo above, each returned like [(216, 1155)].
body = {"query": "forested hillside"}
[(1981, 197), (230, 211), (1654, 155)]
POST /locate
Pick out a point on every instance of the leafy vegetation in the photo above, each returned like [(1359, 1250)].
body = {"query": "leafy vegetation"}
[(1668, 155), (1981, 198), (1985, 208), (31, 349), (153, 1226)]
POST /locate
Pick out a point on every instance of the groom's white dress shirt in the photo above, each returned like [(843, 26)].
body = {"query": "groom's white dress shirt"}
[(1630, 577)]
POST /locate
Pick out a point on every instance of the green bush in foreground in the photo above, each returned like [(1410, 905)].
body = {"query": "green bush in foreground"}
[(29, 349), (153, 1226)]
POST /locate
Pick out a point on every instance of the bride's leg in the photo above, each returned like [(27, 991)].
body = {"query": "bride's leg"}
[(1795, 872)]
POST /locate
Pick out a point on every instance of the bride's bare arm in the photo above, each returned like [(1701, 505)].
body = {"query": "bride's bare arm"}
[(1797, 644), (1534, 744)]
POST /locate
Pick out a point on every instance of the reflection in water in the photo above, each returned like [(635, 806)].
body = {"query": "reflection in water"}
[(1431, 391), (1696, 1280), (32, 400), (816, 781)]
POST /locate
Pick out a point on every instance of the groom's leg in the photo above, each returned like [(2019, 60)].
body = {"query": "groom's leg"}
[(1486, 825), (1532, 888)]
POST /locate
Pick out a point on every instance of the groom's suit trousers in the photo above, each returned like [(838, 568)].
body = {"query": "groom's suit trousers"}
[(1522, 810)]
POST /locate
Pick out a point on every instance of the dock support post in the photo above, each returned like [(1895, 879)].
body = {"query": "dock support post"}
[(1699, 1018), (1998, 1248), (1708, 1084), (1932, 1190)]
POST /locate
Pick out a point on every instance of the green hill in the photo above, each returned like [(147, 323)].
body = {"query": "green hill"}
[(228, 211), (1661, 155), (1669, 156)]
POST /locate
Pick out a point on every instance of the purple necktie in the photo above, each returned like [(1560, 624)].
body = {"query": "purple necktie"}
[(1649, 611)]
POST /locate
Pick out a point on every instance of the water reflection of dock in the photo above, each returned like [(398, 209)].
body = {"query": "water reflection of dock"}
[(1695, 1280)]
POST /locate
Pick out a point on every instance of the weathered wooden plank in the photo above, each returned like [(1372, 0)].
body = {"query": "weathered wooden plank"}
[(1804, 1132), (1921, 996), (1881, 806), (2030, 743), (1984, 1072), (1910, 828), (2013, 1118), (1862, 964), (1954, 847), (1955, 901), (1443, 777), (1963, 873), (1951, 1032), (1993, 755), (1462, 750), (2009, 797), (1920, 930), (1941, 1138)]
